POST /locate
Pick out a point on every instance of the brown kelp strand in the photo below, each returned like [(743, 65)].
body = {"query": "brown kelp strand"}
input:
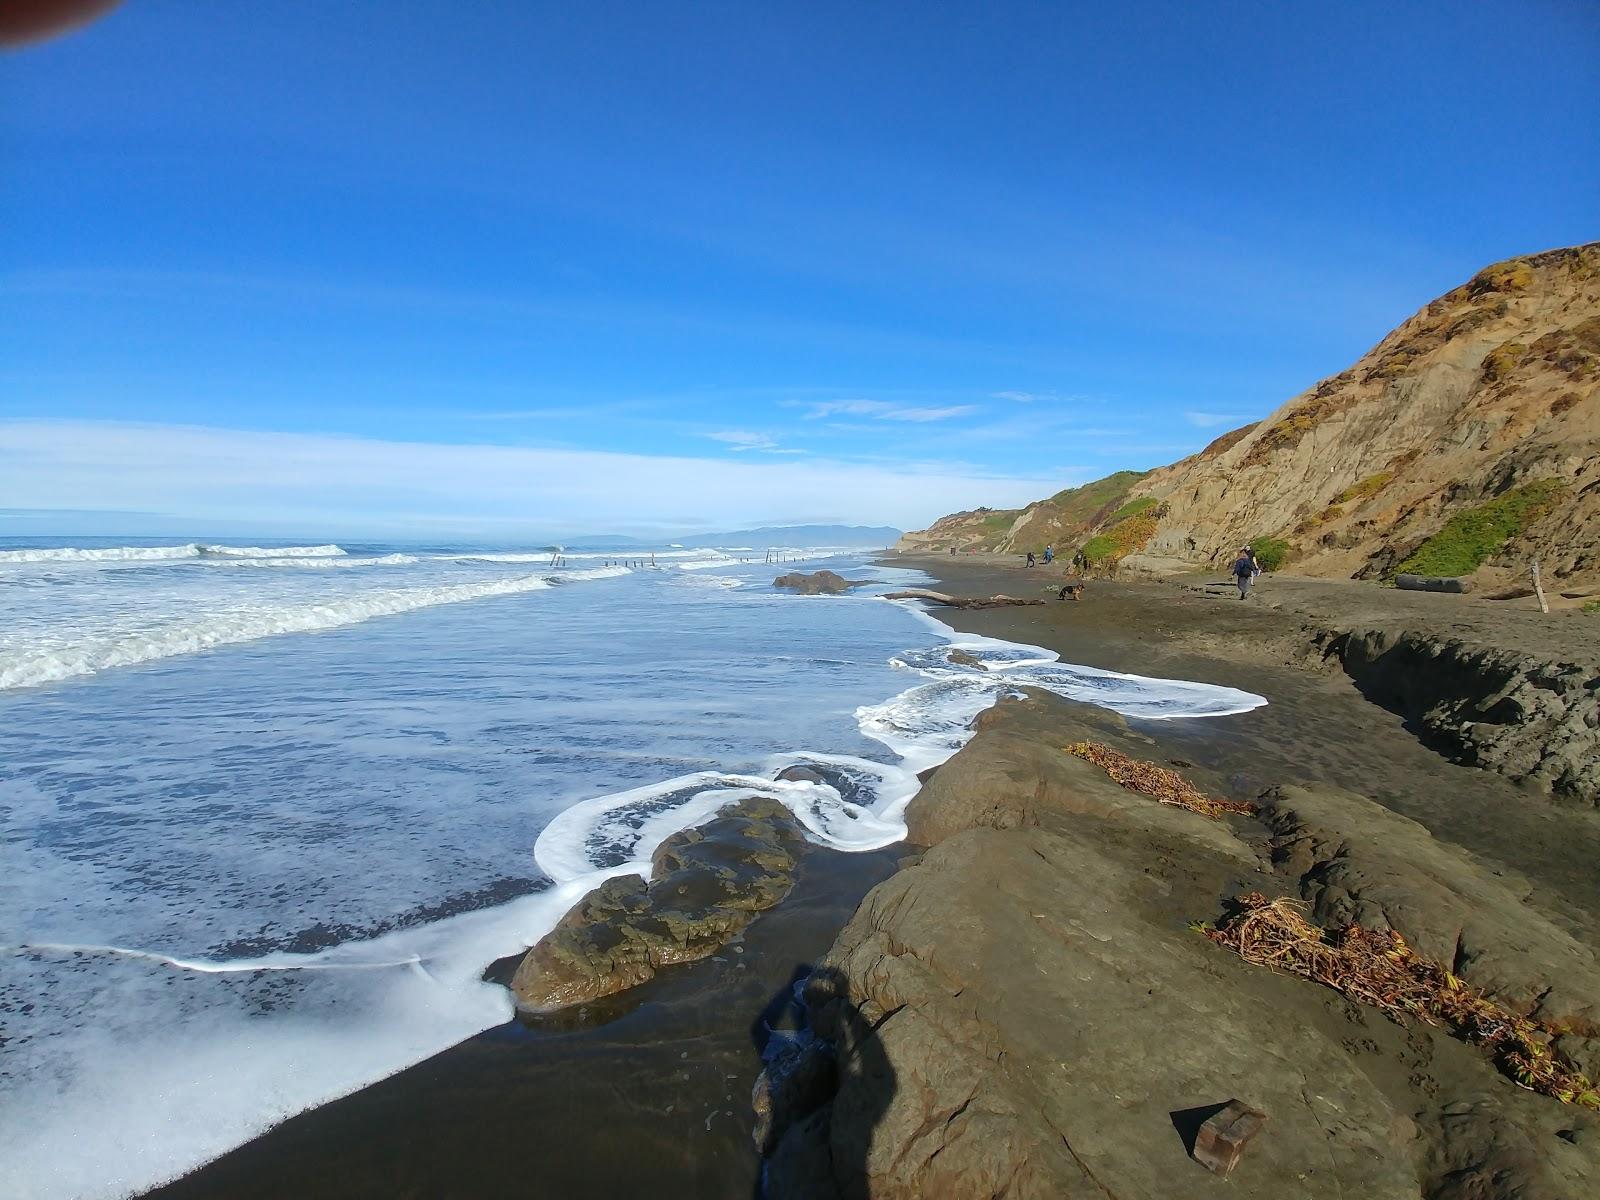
[(1381, 969), (1151, 780)]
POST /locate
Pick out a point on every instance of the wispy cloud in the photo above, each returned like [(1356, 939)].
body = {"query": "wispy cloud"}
[(743, 439), (884, 410), (1020, 397), (1209, 420)]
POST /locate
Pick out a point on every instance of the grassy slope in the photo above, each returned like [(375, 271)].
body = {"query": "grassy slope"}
[(1064, 519)]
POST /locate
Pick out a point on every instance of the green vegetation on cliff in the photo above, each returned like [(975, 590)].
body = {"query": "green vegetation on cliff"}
[(1124, 537), (1472, 535), (1068, 515), (1271, 552)]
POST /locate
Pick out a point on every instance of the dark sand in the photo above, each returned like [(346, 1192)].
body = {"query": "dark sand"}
[(657, 1099), (653, 1102), (1317, 726)]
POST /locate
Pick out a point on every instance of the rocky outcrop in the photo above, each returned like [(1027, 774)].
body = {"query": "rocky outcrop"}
[(818, 583), (707, 884), (1025, 1010), (1533, 720)]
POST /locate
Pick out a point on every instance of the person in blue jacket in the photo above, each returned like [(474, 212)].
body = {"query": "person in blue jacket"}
[(1245, 571)]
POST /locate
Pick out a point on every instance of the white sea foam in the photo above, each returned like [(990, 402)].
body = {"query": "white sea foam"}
[(28, 665), (706, 560), (861, 805), (67, 554), (326, 551), (522, 556), (188, 550), (321, 563), (581, 573)]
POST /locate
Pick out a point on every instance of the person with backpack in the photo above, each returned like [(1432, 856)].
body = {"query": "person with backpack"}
[(1245, 570)]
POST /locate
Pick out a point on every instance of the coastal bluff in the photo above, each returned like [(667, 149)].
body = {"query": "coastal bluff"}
[(1465, 443), (1031, 1008)]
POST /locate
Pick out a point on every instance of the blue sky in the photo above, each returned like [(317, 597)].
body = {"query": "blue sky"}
[(536, 268)]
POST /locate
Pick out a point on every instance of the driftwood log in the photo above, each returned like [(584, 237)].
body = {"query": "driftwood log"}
[(958, 601), (1427, 583)]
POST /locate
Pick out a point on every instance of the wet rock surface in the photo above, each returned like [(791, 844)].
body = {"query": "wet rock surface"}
[(1535, 720), (1355, 862), (706, 885), (1026, 1011)]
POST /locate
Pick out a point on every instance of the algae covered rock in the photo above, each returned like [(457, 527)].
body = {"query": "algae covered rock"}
[(817, 583), (706, 885)]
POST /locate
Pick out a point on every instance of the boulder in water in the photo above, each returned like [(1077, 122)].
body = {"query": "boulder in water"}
[(818, 583), (706, 885)]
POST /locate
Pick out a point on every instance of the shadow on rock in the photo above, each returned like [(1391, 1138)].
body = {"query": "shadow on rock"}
[(826, 1084)]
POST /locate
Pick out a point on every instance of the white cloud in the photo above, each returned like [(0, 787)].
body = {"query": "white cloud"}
[(739, 439), (317, 481), (882, 410), (1019, 397), (1206, 420)]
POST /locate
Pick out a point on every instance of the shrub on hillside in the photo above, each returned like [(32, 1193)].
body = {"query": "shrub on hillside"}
[(1271, 552), (1472, 535), (1127, 536)]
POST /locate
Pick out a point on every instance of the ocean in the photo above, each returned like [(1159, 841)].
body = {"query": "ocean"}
[(269, 810)]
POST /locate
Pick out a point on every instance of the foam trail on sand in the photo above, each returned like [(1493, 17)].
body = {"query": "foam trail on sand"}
[(217, 1073), (860, 805)]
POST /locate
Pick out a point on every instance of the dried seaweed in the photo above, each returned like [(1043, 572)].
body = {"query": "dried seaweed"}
[(1150, 780), (1381, 969)]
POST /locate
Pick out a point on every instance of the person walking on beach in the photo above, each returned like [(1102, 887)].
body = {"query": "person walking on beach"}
[(1049, 555), (1031, 559), (1245, 570)]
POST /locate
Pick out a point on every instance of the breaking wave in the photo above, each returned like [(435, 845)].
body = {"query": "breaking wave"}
[(322, 563), (188, 550), (32, 665)]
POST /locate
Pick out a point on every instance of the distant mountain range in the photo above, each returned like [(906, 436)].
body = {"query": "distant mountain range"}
[(867, 536), (871, 537)]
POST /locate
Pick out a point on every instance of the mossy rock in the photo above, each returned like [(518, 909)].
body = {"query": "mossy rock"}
[(1513, 275), (1368, 487), (1503, 360)]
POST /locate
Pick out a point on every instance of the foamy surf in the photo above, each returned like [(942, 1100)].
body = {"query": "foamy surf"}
[(178, 1020), (29, 667), (340, 562), (153, 554)]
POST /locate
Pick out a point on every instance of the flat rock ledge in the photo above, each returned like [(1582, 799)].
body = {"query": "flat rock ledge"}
[(706, 885), (818, 583), (1026, 1012)]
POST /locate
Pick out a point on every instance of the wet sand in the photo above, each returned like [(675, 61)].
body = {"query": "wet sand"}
[(658, 1097), (655, 1101)]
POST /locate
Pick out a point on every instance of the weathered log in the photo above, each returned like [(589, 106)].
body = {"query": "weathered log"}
[(958, 601), (1428, 583)]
